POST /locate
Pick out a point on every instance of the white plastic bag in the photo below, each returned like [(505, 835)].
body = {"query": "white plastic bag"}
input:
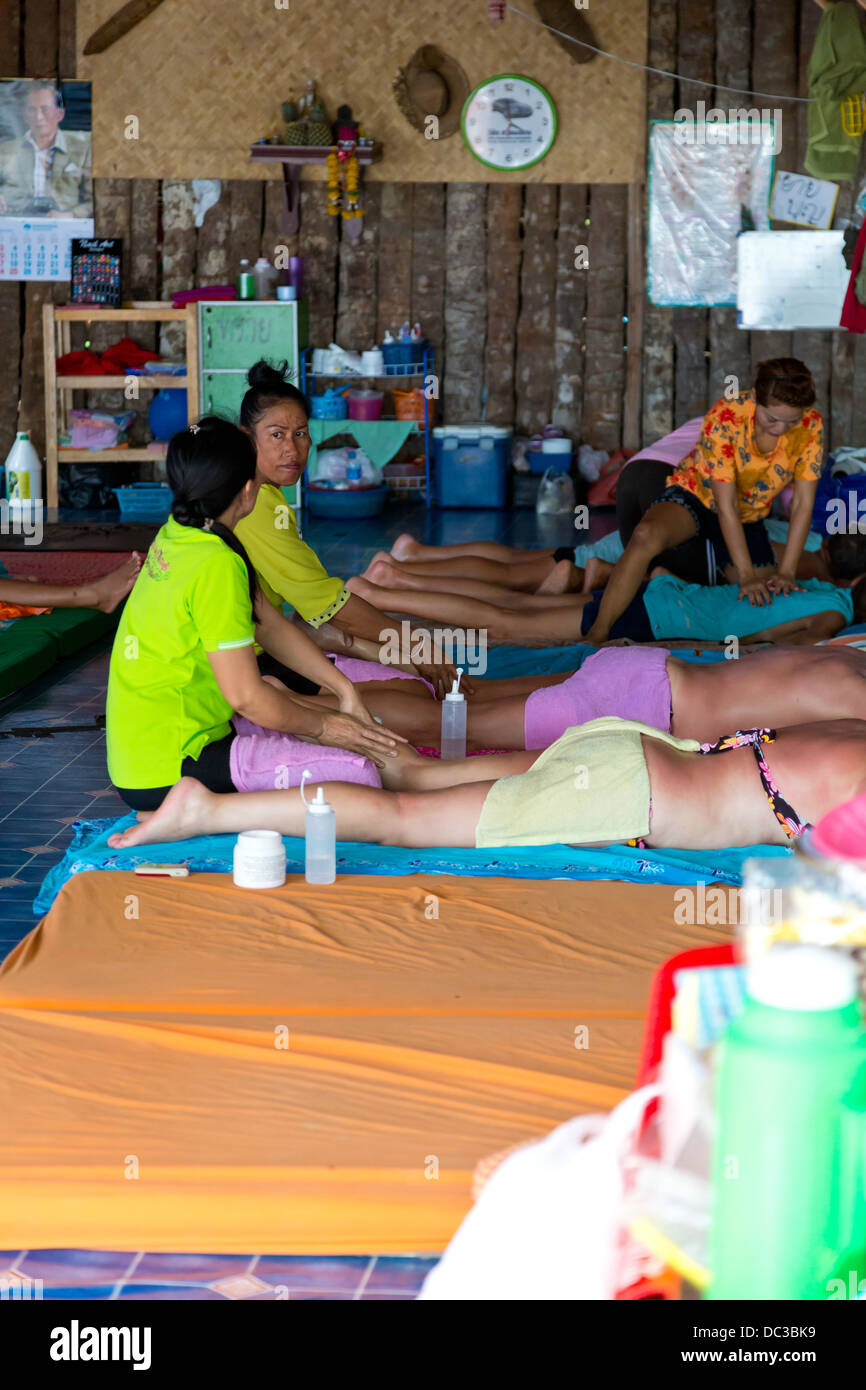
[(555, 494), (548, 1222), (332, 466)]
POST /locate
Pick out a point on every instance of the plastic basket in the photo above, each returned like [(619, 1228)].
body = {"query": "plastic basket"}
[(404, 358), (330, 406), (409, 405), (144, 501)]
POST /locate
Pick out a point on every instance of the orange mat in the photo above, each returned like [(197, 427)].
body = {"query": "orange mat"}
[(188, 1066)]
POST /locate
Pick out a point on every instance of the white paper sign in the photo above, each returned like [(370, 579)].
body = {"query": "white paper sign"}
[(788, 280), (39, 248), (804, 201)]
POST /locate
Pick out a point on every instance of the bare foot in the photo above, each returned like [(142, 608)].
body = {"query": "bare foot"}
[(182, 815), (109, 591), (559, 579), (383, 572), (404, 547), (596, 574), (380, 558)]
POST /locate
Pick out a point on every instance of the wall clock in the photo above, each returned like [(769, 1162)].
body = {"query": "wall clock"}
[(509, 122)]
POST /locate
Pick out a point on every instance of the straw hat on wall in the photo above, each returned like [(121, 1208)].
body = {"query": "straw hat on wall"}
[(432, 84)]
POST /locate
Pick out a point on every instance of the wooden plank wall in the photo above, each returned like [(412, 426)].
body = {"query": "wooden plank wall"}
[(523, 289)]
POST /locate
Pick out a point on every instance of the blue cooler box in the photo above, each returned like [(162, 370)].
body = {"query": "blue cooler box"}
[(471, 465)]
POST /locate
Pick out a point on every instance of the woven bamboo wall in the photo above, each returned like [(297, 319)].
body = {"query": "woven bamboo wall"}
[(206, 80), (487, 268)]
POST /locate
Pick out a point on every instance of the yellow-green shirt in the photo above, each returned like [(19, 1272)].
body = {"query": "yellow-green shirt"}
[(287, 568), (191, 597)]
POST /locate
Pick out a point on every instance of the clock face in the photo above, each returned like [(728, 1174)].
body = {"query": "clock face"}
[(509, 122)]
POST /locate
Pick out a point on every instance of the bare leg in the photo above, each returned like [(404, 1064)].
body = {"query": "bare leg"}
[(383, 572), (406, 547), (665, 525), (447, 816), (547, 627), (104, 594), (521, 575)]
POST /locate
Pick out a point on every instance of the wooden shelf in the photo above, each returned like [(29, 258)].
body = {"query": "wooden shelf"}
[(56, 342), (151, 381), (310, 154), (293, 158), (110, 455), (87, 313)]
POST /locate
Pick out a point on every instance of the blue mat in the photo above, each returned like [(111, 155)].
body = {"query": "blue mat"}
[(504, 662), (213, 854)]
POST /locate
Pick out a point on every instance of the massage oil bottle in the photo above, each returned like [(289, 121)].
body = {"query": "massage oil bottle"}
[(453, 742)]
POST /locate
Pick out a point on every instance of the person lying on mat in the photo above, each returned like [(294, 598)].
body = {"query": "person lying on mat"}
[(183, 661), (21, 597), (611, 781), (276, 416), (749, 450), (781, 687), (663, 608)]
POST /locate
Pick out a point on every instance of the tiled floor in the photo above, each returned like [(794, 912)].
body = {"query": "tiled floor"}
[(47, 783)]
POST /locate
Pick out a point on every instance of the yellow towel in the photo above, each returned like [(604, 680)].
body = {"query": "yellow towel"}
[(590, 787)]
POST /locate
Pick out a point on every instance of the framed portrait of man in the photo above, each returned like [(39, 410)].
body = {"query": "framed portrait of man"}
[(46, 183)]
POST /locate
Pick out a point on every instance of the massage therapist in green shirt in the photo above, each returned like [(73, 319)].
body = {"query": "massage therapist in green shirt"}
[(184, 660)]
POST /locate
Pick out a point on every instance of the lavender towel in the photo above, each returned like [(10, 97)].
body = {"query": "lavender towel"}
[(630, 682)]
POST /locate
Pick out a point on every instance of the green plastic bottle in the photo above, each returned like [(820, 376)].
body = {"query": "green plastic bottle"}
[(788, 1203)]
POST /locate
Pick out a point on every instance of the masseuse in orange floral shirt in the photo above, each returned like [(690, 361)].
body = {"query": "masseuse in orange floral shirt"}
[(750, 448)]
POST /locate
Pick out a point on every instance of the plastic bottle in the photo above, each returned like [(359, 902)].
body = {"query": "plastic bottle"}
[(354, 471), (246, 283), (321, 837), (264, 279), (23, 474), (453, 743), (788, 1205)]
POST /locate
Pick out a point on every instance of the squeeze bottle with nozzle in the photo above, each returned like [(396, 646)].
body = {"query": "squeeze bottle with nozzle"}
[(321, 837), (453, 743)]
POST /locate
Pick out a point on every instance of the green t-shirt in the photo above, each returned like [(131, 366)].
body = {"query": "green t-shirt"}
[(191, 597), (286, 566)]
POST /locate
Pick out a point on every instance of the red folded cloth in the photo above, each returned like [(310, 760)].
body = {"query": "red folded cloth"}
[(126, 354), (80, 364), (116, 360), (181, 297)]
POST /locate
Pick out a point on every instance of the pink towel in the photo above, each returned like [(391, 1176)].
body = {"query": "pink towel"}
[(630, 682), (262, 760), (359, 671), (674, 447)]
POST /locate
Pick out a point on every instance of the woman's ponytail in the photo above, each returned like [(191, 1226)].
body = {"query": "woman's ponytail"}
[(207, 466)]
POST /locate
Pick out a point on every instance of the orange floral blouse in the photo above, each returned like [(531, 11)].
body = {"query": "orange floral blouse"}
[(726, 451)]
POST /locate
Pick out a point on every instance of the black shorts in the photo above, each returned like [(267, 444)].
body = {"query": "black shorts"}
[(709, 528), (269, 666), (633, 623), (212, 767)]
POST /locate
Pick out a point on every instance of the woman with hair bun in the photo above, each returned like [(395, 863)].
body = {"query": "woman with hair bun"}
[(183, 663), (275, 415), (749, 450)]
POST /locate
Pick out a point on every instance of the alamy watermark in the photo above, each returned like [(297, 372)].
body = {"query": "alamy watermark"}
[(23, 518), (408, 646), (720, 905), (738, 125)]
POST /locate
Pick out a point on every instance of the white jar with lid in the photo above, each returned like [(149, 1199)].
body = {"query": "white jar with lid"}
[(259, 859)]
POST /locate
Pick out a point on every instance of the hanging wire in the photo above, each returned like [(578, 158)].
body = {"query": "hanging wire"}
[(660, 72)]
